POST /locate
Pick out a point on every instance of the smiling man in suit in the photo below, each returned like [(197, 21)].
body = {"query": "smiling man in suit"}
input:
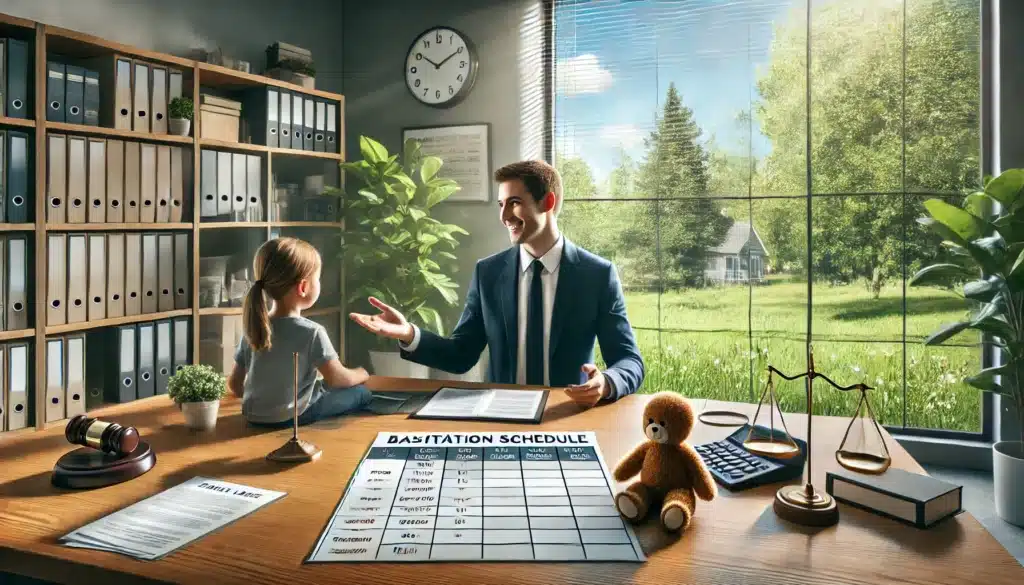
[(538, 306)]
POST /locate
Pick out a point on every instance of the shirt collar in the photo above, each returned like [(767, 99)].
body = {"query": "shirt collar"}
[(550, 260)]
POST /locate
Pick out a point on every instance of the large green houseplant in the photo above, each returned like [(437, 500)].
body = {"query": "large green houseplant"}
[(393, 249), (985, 238)]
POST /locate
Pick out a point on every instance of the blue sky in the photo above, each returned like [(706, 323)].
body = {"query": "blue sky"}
[(616, 59)]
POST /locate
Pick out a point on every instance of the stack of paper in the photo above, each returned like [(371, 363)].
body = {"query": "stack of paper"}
[(171, 519)]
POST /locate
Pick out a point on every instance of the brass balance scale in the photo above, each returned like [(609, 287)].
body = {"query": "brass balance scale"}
[(804, 504)]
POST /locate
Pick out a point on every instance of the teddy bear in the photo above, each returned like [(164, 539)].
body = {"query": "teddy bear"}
[(671, 471)]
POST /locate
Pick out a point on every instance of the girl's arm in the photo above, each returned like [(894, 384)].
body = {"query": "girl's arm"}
[(236, 381), (337, 375)]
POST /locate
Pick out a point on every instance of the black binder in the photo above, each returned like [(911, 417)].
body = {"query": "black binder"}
[(17, 199), (145, 359), (91, 98), (163, 355), (262, 106), (182, 343), (54, 91), (110, 365), (17, 98), (3, 89), (74, 94)]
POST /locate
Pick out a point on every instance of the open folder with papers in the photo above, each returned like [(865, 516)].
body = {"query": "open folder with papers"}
[(485, 404)]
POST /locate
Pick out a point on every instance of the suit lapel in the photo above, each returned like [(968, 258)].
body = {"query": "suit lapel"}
[(508, 289), (565, 292)]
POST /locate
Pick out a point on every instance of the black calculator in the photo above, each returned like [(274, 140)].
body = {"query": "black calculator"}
[(736, 469)]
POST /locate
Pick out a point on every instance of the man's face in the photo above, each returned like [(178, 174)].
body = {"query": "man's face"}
[(521, 215)]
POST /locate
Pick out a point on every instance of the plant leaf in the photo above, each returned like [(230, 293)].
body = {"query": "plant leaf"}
[(372, 150), (983, 290), (960, 222), (1006, 188), (946, 332), (986, 379), (431, 164), (988, 252), (370, 196), (937, 274)]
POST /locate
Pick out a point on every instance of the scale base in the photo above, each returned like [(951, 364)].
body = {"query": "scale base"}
[(87, 468), (295, 451), (792, 503)]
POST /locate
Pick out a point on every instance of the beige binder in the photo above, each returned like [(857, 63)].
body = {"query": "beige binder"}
[(18, 405), (3, 388), (140, 97), (224, 183), (163, 183), (123, 115), (74, 375), (54, 380), (177, 184), (78, 263), (132, 182), (182, 260), (239, 195), (97, 276), (3, 283), (56, 279), (56, 178), (174, 85), (132, 274), (159, 99), (147, 184), (115, 275), (97, 181), (76, 179), (150, 281), (17, 282), (115, 181), (253, 170), (165, 272)]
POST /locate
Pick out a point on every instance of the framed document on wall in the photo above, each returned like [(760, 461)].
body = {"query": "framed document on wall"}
[(465, 153)]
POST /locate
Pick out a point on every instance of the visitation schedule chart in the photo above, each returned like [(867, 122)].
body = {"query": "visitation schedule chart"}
[(463, 497)]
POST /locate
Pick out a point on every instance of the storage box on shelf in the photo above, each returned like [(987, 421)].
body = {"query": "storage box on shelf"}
[(92, 178)]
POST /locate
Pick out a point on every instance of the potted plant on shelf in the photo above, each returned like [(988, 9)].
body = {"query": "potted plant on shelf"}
[(197, 389), (985, 238), (393, 249), (181, 110)]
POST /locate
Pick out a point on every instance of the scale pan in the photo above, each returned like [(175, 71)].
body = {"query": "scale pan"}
[(776, 449)]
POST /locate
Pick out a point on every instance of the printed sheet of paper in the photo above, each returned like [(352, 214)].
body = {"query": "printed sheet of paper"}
[(169, 520), (484, 404), (476, 497)]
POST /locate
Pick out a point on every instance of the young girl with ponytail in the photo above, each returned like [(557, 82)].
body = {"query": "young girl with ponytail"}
[(287, 270)]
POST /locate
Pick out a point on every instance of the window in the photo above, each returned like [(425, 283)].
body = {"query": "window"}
[(682, 132)]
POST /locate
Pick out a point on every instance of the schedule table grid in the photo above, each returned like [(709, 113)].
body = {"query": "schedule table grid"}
[(484, 497)]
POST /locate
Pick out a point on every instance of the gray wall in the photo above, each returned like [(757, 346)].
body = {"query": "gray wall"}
[(242, 28), (508, 95)]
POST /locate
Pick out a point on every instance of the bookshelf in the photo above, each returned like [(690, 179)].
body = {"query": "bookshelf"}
[(47, 40)]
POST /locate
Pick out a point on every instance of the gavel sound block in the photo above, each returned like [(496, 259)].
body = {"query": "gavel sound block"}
[(109, 454)]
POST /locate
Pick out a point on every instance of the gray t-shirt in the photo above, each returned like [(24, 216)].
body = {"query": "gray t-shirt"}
[(267, 397)]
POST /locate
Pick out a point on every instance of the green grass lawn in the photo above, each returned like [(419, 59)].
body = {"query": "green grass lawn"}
[(717, 342)]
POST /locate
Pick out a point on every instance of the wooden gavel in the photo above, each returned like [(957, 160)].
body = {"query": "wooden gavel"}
[(105, 436)]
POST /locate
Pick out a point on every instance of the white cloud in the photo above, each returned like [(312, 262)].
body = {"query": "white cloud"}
[(582, 74), (627, 136)]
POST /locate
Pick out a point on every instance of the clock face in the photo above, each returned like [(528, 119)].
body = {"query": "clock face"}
[(440, 67)]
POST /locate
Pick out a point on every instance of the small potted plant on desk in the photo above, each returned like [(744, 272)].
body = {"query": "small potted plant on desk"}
[(985, 255), (181, 109), (197, 389)]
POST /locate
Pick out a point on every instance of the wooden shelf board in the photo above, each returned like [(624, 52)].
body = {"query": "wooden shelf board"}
[(220, 311), (9, 20), (215, 75), (82, 326), (211, 143), (305, 153), (312, 224), (17, 334), (17, 227), (113, 227), (114, 133), (233, 224), (20, 122), (77, 44)]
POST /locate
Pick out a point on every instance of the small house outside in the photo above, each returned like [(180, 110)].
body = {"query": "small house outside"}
[(740, 258)]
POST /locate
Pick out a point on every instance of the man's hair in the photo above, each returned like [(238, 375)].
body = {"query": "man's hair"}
[(539, 177)]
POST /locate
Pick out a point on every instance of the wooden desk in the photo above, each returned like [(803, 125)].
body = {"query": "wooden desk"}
[(735, 539)]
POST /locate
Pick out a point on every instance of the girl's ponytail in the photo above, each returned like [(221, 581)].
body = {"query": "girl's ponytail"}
[(256, 320), (279, 265)]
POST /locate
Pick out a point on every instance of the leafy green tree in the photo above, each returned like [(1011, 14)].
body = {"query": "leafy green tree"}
[(622, 180)]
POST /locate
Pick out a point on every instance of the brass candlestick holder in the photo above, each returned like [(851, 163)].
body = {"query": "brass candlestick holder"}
[(804, 504), (295, 450)]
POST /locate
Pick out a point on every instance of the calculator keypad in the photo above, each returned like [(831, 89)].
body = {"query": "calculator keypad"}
[(732, 463)]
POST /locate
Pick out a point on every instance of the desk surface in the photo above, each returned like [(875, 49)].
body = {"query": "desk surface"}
[(734, 539)]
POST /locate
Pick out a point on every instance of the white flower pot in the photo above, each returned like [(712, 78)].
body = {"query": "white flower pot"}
[(391, 363), (179, 126), (1008, 480), (200, 416)]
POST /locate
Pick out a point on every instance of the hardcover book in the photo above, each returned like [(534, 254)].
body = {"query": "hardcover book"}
[(911, 498)]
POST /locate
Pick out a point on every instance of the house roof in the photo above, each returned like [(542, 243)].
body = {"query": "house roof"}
[(737, 236)]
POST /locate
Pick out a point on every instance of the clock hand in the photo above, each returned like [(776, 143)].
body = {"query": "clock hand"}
[(446, 60), (436, 65)]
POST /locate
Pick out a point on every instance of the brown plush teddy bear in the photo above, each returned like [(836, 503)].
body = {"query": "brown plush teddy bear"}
[(671, 472)]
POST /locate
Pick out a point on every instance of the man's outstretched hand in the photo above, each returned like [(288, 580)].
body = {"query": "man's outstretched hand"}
[(593, 390), (388, 323)]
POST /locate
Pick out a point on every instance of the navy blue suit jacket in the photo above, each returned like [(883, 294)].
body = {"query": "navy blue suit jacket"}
[(588, 306)]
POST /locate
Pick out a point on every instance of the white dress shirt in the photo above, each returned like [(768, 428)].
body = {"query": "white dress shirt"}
[(549, 280)]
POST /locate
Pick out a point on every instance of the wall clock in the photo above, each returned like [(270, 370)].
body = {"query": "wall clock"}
[(440, 67)]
